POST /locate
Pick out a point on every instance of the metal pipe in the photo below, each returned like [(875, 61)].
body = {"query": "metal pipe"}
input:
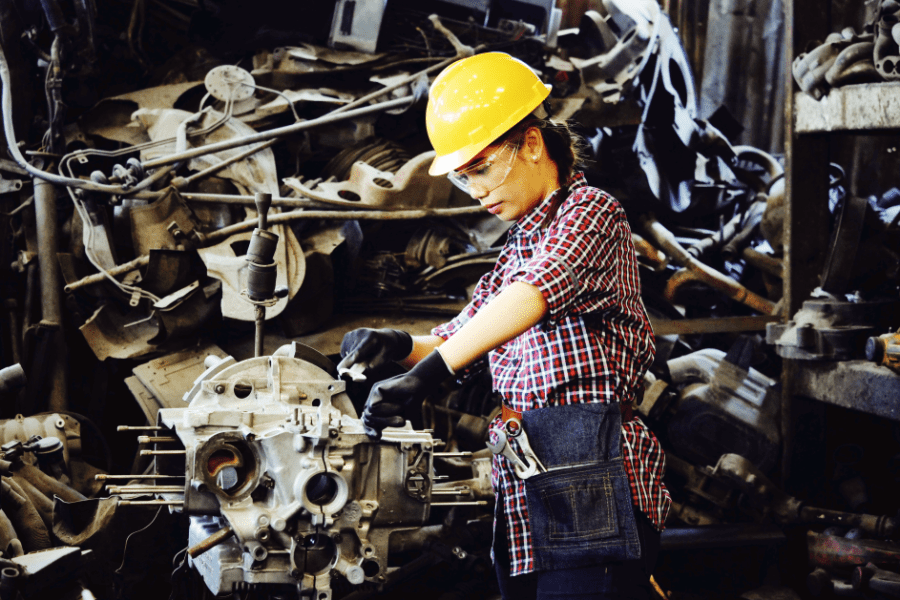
[(104, 477), (161, 452), (46, 221), (694, 270), (179, 183), (149, 439), (211, 542), (150, 502), (15, 337), (48, 248), (160, 489), (131, 265), (262, 136), (137, 427), (764, 262)]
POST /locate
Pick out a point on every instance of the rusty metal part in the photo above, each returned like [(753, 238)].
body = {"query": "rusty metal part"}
[(840, 554), (694, 270), (648, 254), (211, 542), (764, 262), (885, 350)]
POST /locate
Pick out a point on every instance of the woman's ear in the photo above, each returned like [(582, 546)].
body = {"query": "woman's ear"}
[(533, 146)]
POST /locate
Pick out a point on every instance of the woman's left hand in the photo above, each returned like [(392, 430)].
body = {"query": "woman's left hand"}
[(389, 399)]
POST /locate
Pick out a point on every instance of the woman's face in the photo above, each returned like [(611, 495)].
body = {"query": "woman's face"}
[(515, 180)]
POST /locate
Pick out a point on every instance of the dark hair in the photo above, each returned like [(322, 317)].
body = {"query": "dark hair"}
[(564, 146)]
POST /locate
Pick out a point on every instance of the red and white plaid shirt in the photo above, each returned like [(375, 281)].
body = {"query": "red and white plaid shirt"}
[(593, 346)]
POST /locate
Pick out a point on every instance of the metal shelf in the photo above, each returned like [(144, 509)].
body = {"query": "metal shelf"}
[(863, 107)]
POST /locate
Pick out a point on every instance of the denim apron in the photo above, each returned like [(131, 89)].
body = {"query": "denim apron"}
[(580, 510)]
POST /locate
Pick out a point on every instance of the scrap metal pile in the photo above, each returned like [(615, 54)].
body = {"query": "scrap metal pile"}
[(191, 191)]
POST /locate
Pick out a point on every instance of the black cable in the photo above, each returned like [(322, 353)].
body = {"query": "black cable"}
[(144, 528)]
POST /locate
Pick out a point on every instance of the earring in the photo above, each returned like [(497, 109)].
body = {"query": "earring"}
[(534, 157)]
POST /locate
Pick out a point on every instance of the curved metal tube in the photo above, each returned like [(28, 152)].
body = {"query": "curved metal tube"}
[(694, 270)]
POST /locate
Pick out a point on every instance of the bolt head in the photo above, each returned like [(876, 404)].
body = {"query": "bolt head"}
[(220, 389)]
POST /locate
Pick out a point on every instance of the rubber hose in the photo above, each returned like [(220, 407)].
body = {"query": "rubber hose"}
[(25, 518), (47, 485)]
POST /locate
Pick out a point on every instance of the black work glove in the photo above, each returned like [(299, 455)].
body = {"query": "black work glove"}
[(374, 348), (390, 398)]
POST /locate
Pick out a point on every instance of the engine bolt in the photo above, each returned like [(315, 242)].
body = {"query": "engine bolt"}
[(332, 433), (220, 389)]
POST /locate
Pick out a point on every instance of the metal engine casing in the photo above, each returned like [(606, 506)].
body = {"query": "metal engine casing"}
[(274, 450)]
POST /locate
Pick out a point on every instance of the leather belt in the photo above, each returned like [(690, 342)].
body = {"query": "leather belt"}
[(506, 413)]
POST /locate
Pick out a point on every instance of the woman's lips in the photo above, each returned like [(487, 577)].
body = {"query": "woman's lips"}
[(495, 208)]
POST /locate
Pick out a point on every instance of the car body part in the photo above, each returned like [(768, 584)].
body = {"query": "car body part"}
[(283, 488), (410, 186), (621, 37), (830, 329), (724, 407), (886, 52)]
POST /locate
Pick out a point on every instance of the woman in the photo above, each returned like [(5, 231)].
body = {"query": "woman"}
[(562, 321)]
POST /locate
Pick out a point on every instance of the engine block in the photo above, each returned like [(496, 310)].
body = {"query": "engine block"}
[(282, 486)]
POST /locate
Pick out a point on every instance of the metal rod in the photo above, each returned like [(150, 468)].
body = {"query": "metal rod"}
[(211, 542), (104, 477), (150, 502), (453, 454), (150, 439), (161, 452), (141, 261), (343, 215), (139, 428), (278, 132), (456, 492), (473, 503), (339, 215), (125, 489), (260, 324), (225, 163)]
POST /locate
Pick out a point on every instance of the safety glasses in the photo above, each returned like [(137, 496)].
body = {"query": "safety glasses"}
[(487, 174)]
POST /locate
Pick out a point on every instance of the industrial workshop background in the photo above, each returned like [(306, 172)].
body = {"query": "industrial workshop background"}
[(198, 198)]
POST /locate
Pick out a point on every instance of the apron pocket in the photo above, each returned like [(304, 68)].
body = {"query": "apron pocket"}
[(579, 507)]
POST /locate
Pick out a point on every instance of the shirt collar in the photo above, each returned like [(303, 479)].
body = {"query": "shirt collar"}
[(533, 220)]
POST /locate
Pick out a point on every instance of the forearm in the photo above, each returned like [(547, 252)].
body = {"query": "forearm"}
[(423, 345), (515, 310)]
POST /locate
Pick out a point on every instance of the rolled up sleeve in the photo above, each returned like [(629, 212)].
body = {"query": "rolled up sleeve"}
[(575, 259)]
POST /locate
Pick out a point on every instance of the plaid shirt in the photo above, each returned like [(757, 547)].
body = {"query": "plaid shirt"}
[(594, 345)]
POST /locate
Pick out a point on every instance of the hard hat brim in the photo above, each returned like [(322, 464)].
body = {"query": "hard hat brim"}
[(443, 164)]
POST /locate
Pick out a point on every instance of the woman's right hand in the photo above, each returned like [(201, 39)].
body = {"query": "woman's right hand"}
[(368, 349)]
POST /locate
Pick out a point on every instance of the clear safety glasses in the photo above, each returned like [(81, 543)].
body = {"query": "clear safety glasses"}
[(487, 174)]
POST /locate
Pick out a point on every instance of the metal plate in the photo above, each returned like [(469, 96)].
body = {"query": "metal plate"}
[(230, 82)]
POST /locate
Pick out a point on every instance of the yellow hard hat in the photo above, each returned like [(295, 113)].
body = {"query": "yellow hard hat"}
[(476, 100)]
